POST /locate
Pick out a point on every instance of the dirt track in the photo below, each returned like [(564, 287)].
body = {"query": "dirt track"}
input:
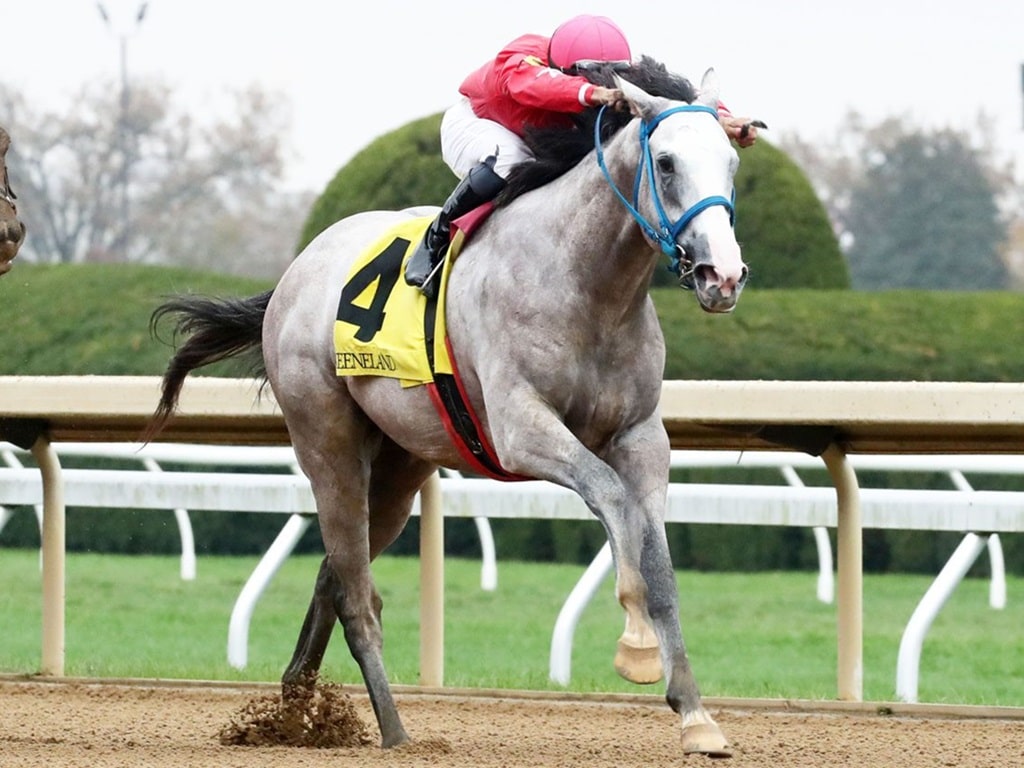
[(103, 725)]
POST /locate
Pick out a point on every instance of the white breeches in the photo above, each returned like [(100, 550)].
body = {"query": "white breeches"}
[(467, 139)]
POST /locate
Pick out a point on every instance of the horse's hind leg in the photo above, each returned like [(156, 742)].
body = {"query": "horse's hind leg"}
[(394, 479), (330, 603), (315, 633), (336, 445), (364, 487)]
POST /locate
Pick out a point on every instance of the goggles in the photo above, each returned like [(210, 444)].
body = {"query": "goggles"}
[(591, 65)]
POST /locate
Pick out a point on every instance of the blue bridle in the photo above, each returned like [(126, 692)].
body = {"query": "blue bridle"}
[(666, 235)]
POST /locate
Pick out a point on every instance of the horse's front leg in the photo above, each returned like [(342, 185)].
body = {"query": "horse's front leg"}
[(627, 494), (649, 595)]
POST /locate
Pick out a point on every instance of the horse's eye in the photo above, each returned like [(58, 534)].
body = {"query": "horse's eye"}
[(665, 164)]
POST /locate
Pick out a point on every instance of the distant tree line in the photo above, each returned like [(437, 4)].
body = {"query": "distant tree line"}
[(919, 208), (139, 179)]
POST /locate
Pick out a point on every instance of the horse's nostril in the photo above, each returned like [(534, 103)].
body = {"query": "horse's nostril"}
[(710, 277), (707, 273)]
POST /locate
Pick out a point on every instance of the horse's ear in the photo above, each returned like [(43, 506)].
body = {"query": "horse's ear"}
[(641, 103), (708, 94)]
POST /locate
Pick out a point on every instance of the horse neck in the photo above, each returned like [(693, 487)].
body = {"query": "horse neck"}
[(604, 253)]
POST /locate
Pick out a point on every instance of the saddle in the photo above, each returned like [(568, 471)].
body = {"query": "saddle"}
[(385, 327)]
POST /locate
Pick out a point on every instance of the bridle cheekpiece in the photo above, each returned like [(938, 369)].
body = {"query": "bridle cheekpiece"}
[(667, 233)]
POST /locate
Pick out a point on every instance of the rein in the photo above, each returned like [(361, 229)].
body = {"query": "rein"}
[(666, 235)]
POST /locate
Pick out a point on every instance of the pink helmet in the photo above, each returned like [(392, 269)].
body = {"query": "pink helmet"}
[(587, 39)]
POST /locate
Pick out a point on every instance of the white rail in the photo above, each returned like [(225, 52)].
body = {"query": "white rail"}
[(150, 457), (960, 509)]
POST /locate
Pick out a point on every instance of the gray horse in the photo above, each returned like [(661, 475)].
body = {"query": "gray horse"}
[(12, 230), (561, 358)]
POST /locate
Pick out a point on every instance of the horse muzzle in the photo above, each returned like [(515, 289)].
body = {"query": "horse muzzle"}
[(716, 292), (716, 276)]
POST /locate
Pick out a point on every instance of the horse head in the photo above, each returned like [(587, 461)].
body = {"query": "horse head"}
[(684, 190), (12, 231)]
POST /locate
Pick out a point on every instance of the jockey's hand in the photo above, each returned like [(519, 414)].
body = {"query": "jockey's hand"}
[(613, 97), (742, 130)]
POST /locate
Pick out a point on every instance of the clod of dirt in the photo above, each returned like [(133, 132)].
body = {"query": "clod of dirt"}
[(319, 715)]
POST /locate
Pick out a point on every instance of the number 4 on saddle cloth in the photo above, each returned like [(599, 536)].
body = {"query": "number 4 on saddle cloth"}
[(385, 327)]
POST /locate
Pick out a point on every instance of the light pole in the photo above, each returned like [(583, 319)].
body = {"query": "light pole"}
[(121, 240)]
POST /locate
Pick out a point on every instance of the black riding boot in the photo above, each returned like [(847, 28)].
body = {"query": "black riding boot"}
[(479, 186)]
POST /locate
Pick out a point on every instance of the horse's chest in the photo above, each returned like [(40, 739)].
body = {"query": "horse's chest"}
[(604, 386), (596, 421), (605, 405)]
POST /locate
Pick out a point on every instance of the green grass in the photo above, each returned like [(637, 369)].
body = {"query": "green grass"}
[(749, 635)]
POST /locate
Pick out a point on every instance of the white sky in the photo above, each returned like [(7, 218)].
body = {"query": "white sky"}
[(354, 70)]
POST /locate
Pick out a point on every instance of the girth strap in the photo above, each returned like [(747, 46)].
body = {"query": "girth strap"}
[(449, 398)]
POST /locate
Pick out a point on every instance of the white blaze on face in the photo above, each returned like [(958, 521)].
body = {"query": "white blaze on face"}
[(711, 179), (727, 260), (696, 162)]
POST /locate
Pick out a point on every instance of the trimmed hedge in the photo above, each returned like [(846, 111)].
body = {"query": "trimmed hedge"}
[(784, 229)]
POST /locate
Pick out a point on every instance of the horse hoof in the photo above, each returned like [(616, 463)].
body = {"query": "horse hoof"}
[(705, 739), (638, 665), (397, 740)]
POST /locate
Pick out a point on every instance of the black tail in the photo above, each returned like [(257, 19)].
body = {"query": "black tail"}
[(217, 329)]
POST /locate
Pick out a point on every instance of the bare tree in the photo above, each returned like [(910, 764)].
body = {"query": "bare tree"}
[(148, 182)]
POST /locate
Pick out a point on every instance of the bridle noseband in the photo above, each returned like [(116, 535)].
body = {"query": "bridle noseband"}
[(667, 233)]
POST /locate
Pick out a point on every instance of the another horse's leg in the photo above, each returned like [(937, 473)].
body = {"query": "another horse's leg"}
[(627, 494)]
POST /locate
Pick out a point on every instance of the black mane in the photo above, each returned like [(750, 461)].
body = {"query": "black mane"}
[(556, 150)]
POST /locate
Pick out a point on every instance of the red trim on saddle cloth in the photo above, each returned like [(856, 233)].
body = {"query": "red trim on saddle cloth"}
[(456, 437), (470, 221)]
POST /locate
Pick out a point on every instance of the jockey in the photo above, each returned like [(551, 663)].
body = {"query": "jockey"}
[(534, 81)]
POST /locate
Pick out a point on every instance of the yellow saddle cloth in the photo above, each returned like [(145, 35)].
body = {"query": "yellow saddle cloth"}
[(382, 323)]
